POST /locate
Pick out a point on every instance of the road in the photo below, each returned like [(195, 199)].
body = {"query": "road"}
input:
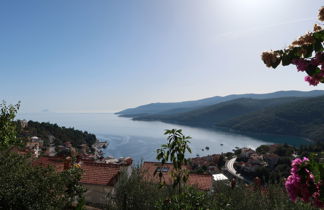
[(229, 165)]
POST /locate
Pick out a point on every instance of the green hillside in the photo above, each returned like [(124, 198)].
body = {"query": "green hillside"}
[(293, 116), (186, 106), (212, 115), (304, 117), (61, 134)]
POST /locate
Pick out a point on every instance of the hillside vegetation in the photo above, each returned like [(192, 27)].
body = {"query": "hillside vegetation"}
[(181, 107), (212, 115), (295, 116), (61, 134), (304, 117)]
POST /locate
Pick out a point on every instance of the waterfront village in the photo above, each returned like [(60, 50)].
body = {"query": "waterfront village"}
[(100, 174)]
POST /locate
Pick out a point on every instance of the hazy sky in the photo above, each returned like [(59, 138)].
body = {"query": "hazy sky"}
[(107, 55)]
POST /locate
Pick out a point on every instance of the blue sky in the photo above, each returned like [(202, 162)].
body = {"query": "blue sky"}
[(107, 55)]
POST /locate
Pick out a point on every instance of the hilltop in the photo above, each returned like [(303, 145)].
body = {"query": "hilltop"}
[(186, 106), (297, 114)]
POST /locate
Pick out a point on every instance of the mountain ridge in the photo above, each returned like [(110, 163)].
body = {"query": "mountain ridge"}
[(261, 114), (178, 107)]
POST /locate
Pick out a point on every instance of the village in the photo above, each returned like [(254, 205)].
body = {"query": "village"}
[(100, 174)]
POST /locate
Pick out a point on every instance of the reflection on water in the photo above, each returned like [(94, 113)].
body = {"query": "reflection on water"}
[(139, 139)]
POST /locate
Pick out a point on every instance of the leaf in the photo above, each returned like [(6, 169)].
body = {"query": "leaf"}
[(297, 52), (276, 63), (313, 71), (307, 51), (319, 36), (318, 47)]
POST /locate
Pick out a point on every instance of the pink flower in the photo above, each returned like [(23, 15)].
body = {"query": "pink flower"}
[(311, 80), (316, 199), (299, 185), (302, 64), (305, 159)]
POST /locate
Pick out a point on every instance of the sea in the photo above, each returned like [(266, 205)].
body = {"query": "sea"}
[(141, 139)]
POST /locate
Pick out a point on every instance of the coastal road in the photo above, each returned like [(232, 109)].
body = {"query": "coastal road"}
[(229, 165)]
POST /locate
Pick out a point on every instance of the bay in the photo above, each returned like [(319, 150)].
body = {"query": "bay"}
[(140, 139)]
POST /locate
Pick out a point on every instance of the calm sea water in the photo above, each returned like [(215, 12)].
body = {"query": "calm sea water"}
[(140, 139)]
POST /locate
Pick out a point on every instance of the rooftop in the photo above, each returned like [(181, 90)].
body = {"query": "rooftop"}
[(93, 173), (203, 182)]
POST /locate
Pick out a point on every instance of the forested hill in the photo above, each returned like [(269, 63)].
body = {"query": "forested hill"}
[(181, 107), (287, 116), (212, 115), (304, 118), (61, 134)]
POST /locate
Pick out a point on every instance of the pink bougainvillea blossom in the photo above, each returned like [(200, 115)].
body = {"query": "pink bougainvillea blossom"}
[(301, 183)]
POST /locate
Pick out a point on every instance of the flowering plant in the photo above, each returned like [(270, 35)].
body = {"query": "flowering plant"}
[(306, 181), (306, 53)]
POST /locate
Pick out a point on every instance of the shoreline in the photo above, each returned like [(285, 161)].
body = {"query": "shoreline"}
[(257, 135)]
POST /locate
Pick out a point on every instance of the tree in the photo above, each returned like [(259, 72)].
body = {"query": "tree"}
[(175, 151), (7, 125), (306, 53), (132, 192), (25, 186)]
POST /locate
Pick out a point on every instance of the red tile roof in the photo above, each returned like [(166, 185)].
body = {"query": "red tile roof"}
[(93, 173), (203, 182), (57, 163), (99, 173)]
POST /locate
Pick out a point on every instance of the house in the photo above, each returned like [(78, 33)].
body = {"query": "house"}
[(34, 147), (201, 181), (219, 177), (23, 123), (271, 159), (98, 178), (246, 153)]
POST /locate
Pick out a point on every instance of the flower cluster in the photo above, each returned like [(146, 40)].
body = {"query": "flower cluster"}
[(270, 57), (306, 39), (321, 14), (301, 183), (314, 66), (306, 53)]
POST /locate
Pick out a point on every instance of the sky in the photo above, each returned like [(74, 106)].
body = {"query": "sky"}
[(108, 55)]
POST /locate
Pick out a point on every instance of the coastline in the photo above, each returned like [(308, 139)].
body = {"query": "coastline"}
[(259, 135)]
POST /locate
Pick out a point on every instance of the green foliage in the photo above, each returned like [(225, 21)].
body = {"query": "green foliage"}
[(133, 192), (298, 116), (263, 149), (304, 117), (273, 197), (284, 150), (24, 186), (73, 189), (302, 48), (221, 161), (190, 199), (61, 134), (307, 150), (175, 151), (7, 125), (306, 53), (210, 116), (316, 166)]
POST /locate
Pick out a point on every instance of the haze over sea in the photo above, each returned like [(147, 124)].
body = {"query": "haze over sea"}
[(140, 139)]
